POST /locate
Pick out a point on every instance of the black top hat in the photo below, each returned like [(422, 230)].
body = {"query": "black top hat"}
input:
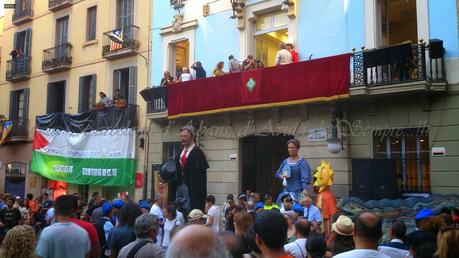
[(168, 171)]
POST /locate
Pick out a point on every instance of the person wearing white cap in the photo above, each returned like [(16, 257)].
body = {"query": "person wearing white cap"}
[(196, 216), (341, 239)]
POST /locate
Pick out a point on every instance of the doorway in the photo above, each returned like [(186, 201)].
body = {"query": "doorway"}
[(56, 97), (398, 22), (180, 52), (261, 157), (270, 31)]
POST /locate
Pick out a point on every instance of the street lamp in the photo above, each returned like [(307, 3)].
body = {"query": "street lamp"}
[(114, 36), (335, 144)]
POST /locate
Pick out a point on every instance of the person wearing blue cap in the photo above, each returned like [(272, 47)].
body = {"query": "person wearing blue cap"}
[(104, 226), (144, 206), (421, 216), (117, 205)]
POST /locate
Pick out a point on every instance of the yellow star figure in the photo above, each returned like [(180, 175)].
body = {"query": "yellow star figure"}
[(324, 176)]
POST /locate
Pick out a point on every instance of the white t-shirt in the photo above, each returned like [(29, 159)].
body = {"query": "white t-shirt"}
[(156, 210), (362, 253), (214, 211), (185, 77), (297, 249), (168, 226), (180, 217)]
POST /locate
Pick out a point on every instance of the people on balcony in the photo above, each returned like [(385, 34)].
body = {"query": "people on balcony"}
[(200, 71), (185, 76), (283, 56), (118, 99), (291, 49), (167, 79), (103, 102), (218, 70), (249, 64), (233, 65)]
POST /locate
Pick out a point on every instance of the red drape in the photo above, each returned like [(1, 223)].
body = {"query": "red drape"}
[(309, 81)]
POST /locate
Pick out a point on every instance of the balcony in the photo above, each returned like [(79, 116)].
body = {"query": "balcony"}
[(156, 102), (55, 5), (315, 81), (57, 58), (18, 69), (113, 50), (399, 69), (23, 12), (19, 131)]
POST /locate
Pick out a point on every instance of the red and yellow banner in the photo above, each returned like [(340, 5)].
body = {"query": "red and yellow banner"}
[(318, 80)]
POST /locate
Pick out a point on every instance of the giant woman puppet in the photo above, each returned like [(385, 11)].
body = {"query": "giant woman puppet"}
[(294, 172)]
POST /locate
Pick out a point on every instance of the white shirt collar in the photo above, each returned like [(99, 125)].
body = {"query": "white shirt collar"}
[(396, 240)]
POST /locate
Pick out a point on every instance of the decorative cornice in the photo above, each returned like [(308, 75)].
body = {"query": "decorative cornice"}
[(169, 29)]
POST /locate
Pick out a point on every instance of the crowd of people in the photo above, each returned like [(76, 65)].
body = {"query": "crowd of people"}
[(285, 55), (246, 225)]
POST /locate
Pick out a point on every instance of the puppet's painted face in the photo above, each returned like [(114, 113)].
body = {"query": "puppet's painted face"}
[(323, 176)]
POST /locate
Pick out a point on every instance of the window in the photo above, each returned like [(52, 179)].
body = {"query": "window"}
[(170, 150), (87, 97), (22, 40), (179, 53), (91, 23), (410, 150), (62, 25), (125, 17), (56, 97), (398, 22), (126, 81), (19, 106)]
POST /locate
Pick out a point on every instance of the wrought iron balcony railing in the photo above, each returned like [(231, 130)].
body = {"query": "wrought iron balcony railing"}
[(397, 64), (157, 99), (57, 58), (18, 69), (129, 35), (23, 11), (55, 5), (19, 131)]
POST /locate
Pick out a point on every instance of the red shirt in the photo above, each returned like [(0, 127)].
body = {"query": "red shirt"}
[(294, 56), (92, 232)]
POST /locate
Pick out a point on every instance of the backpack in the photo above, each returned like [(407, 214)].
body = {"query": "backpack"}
[(101, 234)]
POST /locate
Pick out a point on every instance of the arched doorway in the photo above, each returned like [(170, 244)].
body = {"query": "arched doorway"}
[(261, 157)]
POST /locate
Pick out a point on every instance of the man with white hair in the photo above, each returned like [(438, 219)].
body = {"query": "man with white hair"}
[(146, 228), (196, 241)]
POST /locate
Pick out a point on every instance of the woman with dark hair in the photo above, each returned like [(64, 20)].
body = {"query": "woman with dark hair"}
[(124, 233), (256, 252), (294, 172), (316, 246), (169, 224)]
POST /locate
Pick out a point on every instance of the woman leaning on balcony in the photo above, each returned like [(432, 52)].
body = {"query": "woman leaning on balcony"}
[(218, 71)]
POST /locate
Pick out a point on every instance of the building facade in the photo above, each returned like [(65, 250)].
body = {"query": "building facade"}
[(63, 58), (397, 123)]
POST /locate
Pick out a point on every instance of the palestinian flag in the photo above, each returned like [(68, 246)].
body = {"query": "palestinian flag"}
[(95, 156)]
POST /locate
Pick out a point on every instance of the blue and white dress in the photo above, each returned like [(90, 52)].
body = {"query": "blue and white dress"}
[(300, 177)]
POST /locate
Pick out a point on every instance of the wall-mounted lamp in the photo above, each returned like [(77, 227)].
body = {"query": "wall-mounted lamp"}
[(238, 7), (335, 144), (178, 4)]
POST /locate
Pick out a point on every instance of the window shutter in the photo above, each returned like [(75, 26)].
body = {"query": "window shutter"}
[(93, 90), (13, 105), (15, 40), (25, 108), (116, 80), (81, 96), (50, 99), (132, 85), (28, 42)]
